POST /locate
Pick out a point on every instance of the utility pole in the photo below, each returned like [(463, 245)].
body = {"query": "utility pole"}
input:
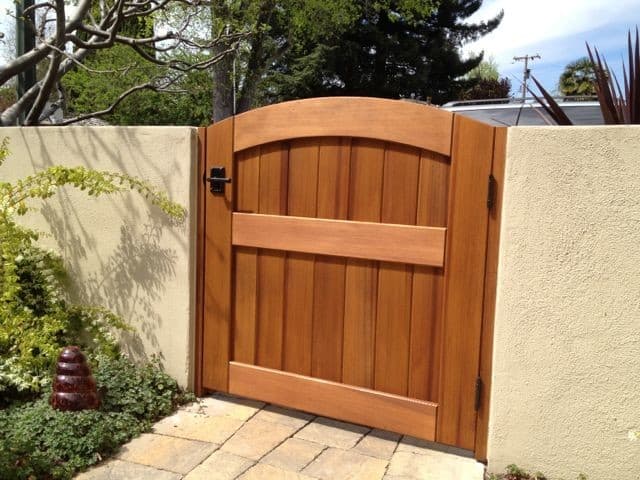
[(526, 72)]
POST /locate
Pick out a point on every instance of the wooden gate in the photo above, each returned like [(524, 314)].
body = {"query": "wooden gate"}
[(344, 264)]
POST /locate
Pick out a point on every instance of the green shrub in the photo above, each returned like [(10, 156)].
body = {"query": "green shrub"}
[(39, 442), (145, 392), (36, 319)]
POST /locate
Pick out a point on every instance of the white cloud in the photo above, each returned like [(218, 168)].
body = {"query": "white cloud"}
[(527, 24)]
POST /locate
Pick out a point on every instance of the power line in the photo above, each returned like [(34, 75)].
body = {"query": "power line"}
[(526, 71)]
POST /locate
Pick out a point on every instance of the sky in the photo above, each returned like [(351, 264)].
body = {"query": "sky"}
[(554, 29)]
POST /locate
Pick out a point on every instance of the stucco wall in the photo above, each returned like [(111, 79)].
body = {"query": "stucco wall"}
[(124, 254), (566, 375)]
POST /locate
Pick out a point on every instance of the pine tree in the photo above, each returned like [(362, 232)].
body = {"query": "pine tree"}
[(391, 51)]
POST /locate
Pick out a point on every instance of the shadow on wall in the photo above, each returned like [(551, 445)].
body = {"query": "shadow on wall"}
[(130, 281)]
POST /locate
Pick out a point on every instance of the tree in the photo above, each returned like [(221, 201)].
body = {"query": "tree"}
[(484, 82), (393, 50), (70, 41), (578, 78), (279, 29), (486, 70)]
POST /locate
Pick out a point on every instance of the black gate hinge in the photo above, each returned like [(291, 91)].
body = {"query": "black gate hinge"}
[(491, 192), (478, 398)]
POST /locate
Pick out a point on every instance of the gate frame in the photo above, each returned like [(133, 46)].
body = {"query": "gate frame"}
[(225, 156)]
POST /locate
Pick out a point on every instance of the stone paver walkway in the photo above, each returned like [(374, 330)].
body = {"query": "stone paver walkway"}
[(225, 438)]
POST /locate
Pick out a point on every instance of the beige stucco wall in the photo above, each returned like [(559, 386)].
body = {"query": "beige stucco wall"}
[(566, 377), (123, 253)]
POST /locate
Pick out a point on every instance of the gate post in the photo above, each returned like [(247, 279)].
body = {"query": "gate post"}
[(471, 157), (216, 332)]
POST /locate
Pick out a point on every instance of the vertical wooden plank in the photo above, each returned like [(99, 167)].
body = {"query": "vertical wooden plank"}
[(393, 325), (333, 175), (246, 260), (200, 233), (271, 272), (329, 277), (301, 199), (491, 278), (426, 304), (361, 280), (472, 153), (217, 263)]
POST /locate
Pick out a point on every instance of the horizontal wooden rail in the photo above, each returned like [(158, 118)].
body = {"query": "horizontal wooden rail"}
[(372, 241), (336, 400), (421, 126)]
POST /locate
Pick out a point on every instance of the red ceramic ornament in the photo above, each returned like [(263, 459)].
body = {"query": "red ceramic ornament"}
[(74, 388)]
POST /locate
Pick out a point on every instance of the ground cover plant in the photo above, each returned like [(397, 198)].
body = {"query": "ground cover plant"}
[(513, 472), (37, 320)]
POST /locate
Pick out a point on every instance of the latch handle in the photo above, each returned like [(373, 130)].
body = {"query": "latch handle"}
[(217, 180)]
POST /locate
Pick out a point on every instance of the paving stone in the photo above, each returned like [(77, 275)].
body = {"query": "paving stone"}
[(218, 405), (269, 472), (285, 416), (434, 466), (256, 438), (220, 466), (294, 454), (336, 464), (332, 433), (417, 445), (119, 470), (195, 426), (168, 453), (378, 443)]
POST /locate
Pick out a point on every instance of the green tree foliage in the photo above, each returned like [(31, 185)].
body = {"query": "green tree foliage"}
[(578, 78), (484, 89), (486, 70), (112, 71), (279, 29), (393, 49)]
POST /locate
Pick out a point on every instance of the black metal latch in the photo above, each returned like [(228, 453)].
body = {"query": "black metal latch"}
[(217, 180)]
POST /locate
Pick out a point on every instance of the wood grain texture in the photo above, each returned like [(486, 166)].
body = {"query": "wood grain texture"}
[(393, 324), (491, 277), (472, 154), (366, 240), (328, 317), (329, 278), (406, 123), (361, 281), (246, 260), (200, 235), (271, 265), (336, 400), (302, 199), (426, 303), (216, 346)]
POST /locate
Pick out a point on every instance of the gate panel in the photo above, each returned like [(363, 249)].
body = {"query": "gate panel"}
[(274, 163), (464, 282), (246, 259), (361, 281), (344, 303), (302, 199), (426, 316), (216, 334)]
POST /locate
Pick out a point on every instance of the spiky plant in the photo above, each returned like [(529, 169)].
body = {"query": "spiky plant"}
[(619, 106)]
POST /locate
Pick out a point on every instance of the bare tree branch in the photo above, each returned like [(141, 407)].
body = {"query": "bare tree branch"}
[(50, 78), (90, 30)]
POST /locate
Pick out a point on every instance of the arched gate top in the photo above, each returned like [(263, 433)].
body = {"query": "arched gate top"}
[(404, 122)]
